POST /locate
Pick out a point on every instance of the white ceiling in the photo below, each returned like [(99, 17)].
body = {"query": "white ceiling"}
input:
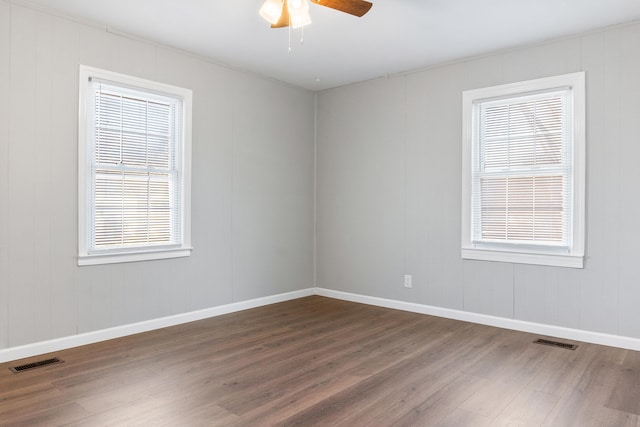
[(338, 49)]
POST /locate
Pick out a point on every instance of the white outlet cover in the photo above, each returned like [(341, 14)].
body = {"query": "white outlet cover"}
[(407, 281)]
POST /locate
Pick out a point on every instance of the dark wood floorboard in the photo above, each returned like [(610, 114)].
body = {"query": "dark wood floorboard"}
[(319, 361)]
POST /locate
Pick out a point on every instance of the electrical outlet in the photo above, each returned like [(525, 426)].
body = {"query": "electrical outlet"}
[(407, 281)]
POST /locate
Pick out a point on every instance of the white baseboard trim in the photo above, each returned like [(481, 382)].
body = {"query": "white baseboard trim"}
[(35, 349), (483, 319)]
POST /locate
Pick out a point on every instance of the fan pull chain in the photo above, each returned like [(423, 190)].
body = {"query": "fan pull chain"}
[(289, 27)]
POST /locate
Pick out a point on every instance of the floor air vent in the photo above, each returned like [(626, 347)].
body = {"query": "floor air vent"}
[(556, 344), (35, 365)]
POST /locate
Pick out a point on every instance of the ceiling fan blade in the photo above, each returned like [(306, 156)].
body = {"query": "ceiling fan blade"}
[(353, 7), (284, 17)]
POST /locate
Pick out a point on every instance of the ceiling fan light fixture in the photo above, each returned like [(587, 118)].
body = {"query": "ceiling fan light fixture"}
[(271, 10), (300, 21), (299, 13)]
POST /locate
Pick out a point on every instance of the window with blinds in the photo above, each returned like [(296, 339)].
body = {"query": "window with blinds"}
[(134, 169), (525, 190)]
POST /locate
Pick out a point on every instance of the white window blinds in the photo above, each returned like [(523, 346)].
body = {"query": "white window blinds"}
[(522, 171), (134, 147)]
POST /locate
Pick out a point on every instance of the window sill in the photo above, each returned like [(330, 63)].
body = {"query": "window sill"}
[(554, 260), (114, 258)]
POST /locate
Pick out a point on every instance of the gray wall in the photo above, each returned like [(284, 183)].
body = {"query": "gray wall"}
[(389, 189), (252, 193)]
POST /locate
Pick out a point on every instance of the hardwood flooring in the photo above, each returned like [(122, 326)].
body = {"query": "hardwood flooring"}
[(319, 361)]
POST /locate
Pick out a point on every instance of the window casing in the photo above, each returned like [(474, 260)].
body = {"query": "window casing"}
[(134, 169), (523, 172)]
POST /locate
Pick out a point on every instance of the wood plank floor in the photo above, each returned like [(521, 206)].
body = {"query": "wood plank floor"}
[(319, 361)]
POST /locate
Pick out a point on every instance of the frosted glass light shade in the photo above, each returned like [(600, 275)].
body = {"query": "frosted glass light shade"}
[(300, 21), (299, 13), (271, 10)]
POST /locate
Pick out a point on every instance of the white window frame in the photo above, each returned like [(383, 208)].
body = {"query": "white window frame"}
[(573, 256), (91, 256)]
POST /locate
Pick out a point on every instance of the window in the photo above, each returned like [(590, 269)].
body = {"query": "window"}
[(523, 172), (134, 169)]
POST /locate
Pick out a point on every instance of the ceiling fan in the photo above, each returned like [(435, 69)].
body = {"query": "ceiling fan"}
[(282, 13)]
